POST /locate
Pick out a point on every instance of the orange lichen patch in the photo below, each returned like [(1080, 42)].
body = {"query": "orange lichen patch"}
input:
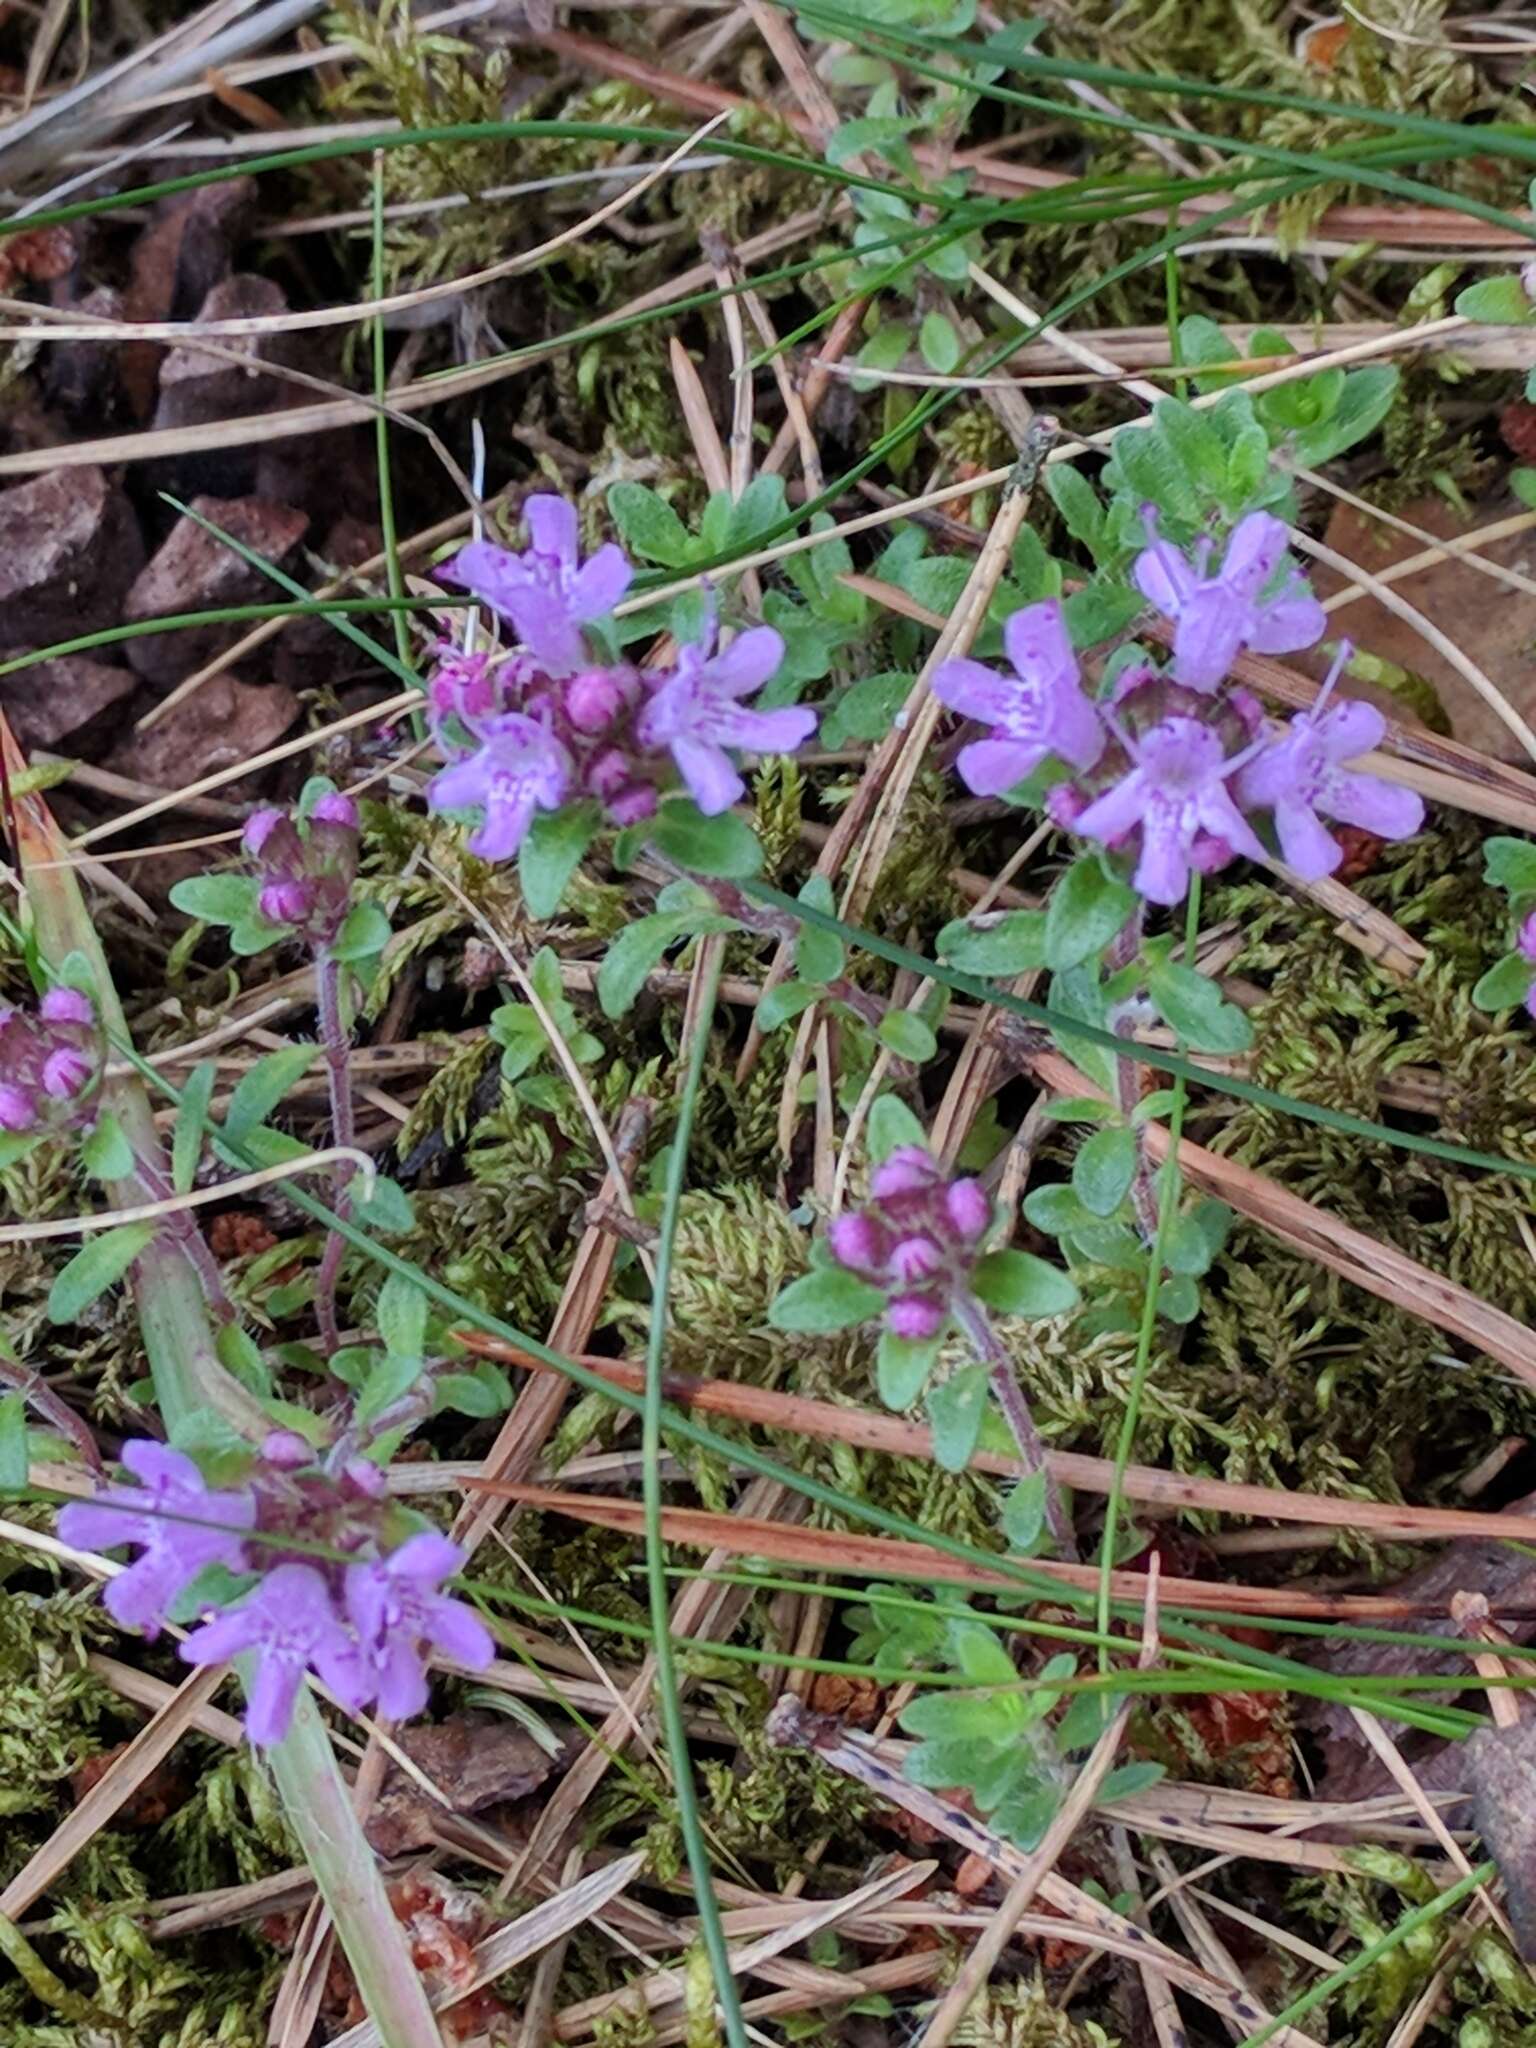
[(1321, 46)]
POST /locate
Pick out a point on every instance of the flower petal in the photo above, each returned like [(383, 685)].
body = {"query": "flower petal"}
[(1118, 811), (93, 1525), (600, 583), (553, 527), (461, 786), (992, 767), (1216, 812), (1162, 872), (544, 623), (486, 571), (712, 780), (1306, 845), (1073, 727), (157, 1465), (1253, 553), (1350, 728), (769, 732), (752, 659), (269, 1703), (1164, 577), (1373, 805), (140, 1596), (509, 812), (459, 1633), (225, 1636), (402, 1680), (426, 1558), (1209, 633), (1039, 645), (975, 691), (1294, 619)]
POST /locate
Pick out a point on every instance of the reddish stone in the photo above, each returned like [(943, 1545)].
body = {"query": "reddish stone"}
[(81, 377), (219, 726), (197, 388), (47, 703), (69, 547), (194, 570)]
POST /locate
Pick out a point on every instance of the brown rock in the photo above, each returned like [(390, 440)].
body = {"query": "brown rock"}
[(476, 1760), (193, 570), (188, 248), (81, 377), (69, 547), (223, 723), (176, 263), (1494, 624), (196, 387), (47, 703)]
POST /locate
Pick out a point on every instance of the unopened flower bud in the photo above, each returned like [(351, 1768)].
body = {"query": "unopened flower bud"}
[(1528, 279), (66, 1071), (632, 804), (593, 700), (856, 1240), (908, 1171), (17, 1110), (286, 1450), (259, 828), (608, 773), (362, 1477), (1527, 938), (915, 1317), (67, 1006), (967, 1206), (335, 808), (285, 900), (914, 1260)]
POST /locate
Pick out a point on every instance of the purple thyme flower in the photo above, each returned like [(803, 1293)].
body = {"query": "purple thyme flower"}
[(291, 1624), (50, 1064), (1525, 942), (467, 687), (1176, 794), (67, 1006), (519, 768), (916, 1239), (548, 593), (695, 713), (1037, 711), (305, 865), (1216, 617), (178, 1525), (395, 1607), (17, 1111), (1303, 772)]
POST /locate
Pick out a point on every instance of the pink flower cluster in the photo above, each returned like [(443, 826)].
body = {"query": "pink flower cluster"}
[(1525, 944), (1169, 769), (306, 865), (545, 726), (917, 1239), (362, 1622), (50, 1063)]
